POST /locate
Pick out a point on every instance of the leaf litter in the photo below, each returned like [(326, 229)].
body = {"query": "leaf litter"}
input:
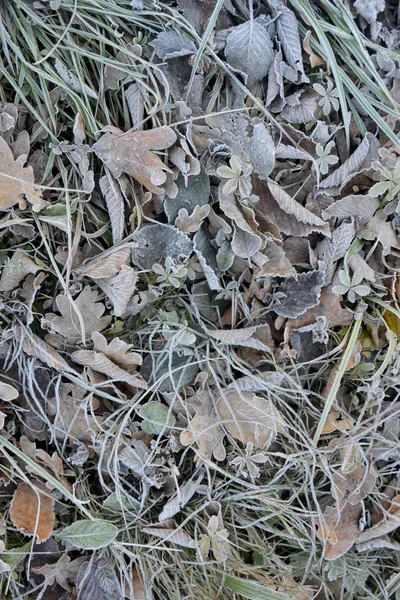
[(199, 299)]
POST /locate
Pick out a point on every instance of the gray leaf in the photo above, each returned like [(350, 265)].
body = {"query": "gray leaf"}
[(176, 503), (301, 107), (111, 191), (369, 10), (155, 242), (97, 580), (361, 158), (135, 101), (171, 44), (359, 206), (261, 151), (300, 294), (207, 257), (288, 33), (249, 50), (170, 373), (196, 193), (331, 251)]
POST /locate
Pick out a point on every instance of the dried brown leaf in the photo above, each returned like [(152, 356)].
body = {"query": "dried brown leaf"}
[(38, 348), (169, 532), (107, 264), (339, 529), (119, 288), (191, 223), (64, 571), (204, 429), (71, 418), (130, 153), (69, 325), (387, 525), (16, 269), (114, 360), (249, 418), (17, 181), (32, 511)]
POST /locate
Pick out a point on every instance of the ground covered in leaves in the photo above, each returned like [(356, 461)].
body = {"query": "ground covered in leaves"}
[(199, 299)]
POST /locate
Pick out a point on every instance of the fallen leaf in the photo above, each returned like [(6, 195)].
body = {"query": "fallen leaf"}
[(32, 511), (170, 533), (64, 571), (17, 181), (153, 243), (390, 522), (16, 269), (130, 153), (8, 392), (299, 295), (339, 530), (71, 418), (34, 346), (114, 360), (119, 288), (381, 229), (191, 223), (249, 418), (204, 429), (69, 325), (109, 263)]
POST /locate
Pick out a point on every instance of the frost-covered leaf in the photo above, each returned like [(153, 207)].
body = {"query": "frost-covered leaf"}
[(249, 418), (69, 325), (157, 418), (288, 33), (207, 257), (106, 265), (130, 153), (119, 288), (154, 243), (195, 193), (170, 533), (299, 294), (289, 215), (369, 10), (250, 337), (360, 159), (261, 150), (243, 217), (63, 571), (89, 535), (225, 257), (301, 107), (249, 50), (116, 360), (71, 417), (73, 81), (111, 190), (381, 229), (258, 382), (169, 376), (171, 44), (98, 580), (135, 100), (8, 392), (17, 183), (32, 511), (204, 429), (16, 269), (38, 348), (358, 206), (112, 73), (191, 223), (330, 251), (177, 502)]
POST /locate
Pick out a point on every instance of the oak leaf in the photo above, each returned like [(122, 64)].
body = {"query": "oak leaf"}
[(204, 428), (130, 153), (114, 360), (17, 181), (69, 325), (63, 571)]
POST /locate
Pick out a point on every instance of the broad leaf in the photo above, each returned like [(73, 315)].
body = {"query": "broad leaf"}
[(89, 535), (249, 50)]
